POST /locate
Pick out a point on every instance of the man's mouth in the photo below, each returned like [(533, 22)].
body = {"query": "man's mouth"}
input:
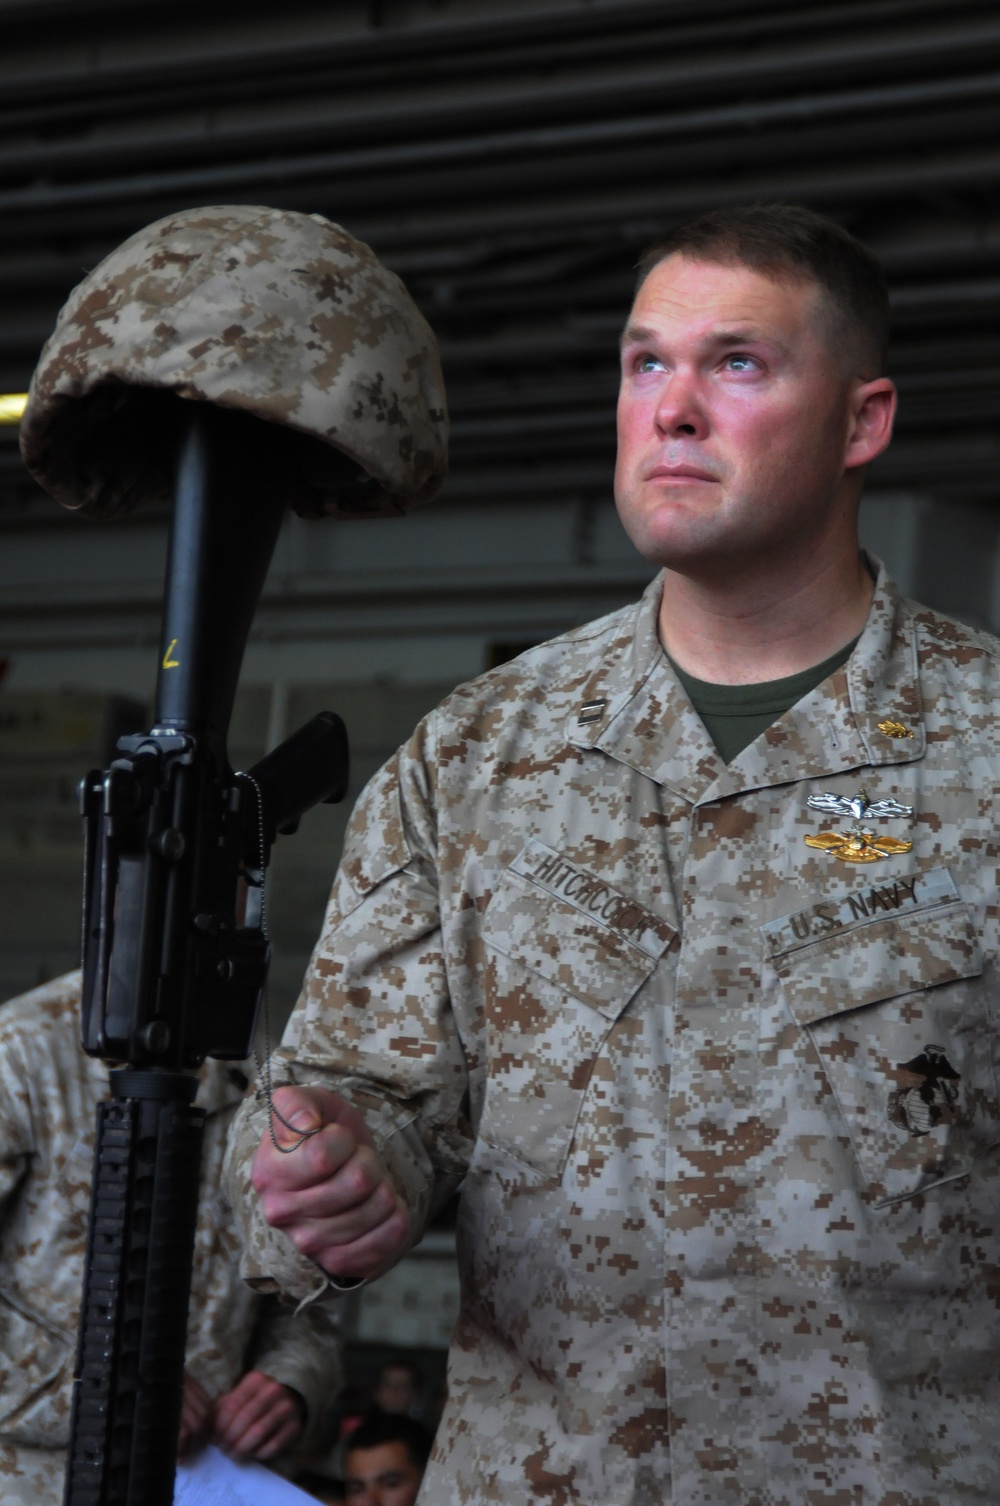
[(680, 473)]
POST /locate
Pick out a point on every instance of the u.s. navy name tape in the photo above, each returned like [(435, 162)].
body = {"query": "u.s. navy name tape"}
[(906, 892)]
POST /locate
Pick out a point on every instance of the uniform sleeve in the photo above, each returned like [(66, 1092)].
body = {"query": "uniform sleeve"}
[(44, 1196), (16, 1121), (37, 1064), (302, 1349), (374, 1020)]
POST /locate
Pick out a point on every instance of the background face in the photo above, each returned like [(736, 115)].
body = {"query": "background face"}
[(397, 1391), (383, 1476), (732, 417)]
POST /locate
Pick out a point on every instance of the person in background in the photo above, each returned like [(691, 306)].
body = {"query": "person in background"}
[(399, 1388), (259, 1379), (385, 1461)]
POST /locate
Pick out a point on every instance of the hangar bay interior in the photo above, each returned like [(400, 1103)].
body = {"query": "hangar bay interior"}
[(509, 159)]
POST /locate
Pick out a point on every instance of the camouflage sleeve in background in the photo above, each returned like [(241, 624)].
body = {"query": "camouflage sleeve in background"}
[(717, 1066), (301, 1349), (49, 1091), (230, 1329), (48, 1094)]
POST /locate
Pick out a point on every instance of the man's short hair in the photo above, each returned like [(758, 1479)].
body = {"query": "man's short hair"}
[(386, 1428), (775, 238)]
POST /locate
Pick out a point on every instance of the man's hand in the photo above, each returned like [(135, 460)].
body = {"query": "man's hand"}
[(331, 1195), (258, 1418), (196, 1417)]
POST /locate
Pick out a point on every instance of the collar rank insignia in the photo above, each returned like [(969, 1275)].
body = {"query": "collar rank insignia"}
[(859, 844), (922, 1105), (893, 729)]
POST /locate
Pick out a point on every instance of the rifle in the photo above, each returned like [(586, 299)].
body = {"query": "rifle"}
[(175, 953)]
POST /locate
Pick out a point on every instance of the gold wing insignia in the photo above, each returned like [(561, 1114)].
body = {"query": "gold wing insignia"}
[(826, 839), (890, 845), (860, 845)]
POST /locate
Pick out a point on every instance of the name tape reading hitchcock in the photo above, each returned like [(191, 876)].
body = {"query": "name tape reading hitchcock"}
[(915, 890), (593, 898)]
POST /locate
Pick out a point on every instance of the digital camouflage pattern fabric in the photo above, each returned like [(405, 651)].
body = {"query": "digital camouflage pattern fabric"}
[(275, 313), (49, 1091), (723, 1106)]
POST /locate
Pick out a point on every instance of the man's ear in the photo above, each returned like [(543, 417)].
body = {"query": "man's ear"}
[(873, 412)]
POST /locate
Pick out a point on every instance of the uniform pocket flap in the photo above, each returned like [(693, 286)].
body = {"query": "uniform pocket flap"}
[(879, 960), (376, 844), (600, 949)]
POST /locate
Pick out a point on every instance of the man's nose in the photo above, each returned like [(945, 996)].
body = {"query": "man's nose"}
[(680, 409)]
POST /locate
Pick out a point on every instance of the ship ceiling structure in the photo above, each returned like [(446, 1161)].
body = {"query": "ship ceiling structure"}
[(509, 160)]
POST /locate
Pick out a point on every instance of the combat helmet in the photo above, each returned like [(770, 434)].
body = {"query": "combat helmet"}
[(278, 314)]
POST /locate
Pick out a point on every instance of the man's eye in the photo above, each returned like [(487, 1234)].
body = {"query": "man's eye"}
[(741, 363), (648, 363)]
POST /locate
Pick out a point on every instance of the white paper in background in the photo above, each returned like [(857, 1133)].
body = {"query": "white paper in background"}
[(212, 1479)]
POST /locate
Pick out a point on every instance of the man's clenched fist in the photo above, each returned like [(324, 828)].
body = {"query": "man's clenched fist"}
[(331, 1195)]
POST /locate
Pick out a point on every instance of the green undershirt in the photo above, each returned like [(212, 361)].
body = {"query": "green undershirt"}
[(734, 715)]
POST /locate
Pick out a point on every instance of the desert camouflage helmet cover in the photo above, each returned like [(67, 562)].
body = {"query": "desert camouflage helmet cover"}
[(279, 314)]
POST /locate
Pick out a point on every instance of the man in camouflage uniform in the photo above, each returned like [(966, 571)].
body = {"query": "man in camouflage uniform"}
[(709, 1042), (49, 1091)]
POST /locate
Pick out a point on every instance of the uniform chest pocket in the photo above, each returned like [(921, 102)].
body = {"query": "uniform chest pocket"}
[(896, 1012), (556, 981)]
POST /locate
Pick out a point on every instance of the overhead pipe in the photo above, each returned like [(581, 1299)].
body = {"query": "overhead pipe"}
[(561, 26), (476, 149), (641, 215)]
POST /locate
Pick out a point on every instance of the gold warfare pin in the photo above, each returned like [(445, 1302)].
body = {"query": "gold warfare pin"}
[(859, 844)]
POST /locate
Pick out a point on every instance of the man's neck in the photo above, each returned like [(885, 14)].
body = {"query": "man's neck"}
[(758, 628)]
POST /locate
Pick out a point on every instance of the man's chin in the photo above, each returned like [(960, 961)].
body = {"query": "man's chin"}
[(685, 549), (682, 527), (704, 560)]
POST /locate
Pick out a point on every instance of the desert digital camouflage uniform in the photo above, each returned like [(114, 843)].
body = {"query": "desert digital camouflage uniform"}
[(49, 1091), (710, 1253)]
